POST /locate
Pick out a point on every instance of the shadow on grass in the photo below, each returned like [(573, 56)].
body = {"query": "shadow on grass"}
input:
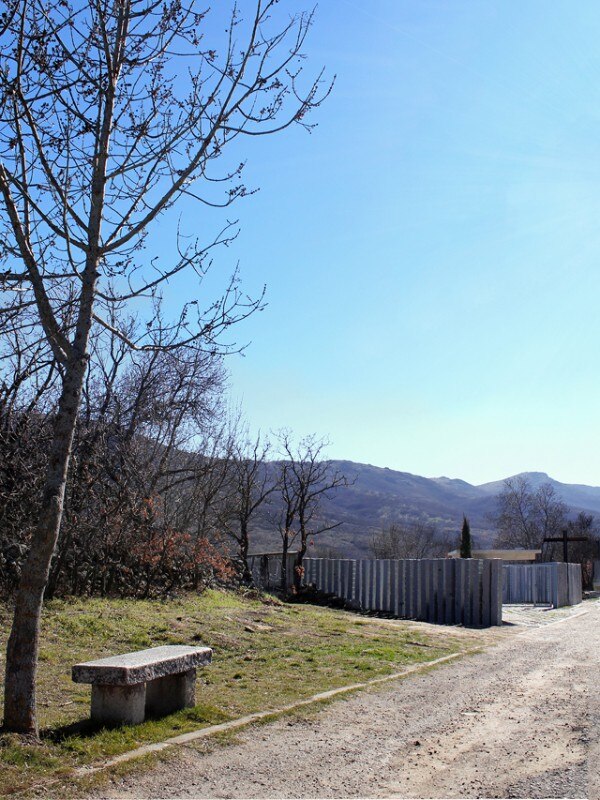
[(83, 729)]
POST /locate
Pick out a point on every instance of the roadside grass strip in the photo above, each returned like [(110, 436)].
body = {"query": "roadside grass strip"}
[(213, 730), (267, 655)]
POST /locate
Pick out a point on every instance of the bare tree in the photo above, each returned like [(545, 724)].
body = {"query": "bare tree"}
[(582, 545), (525, 516), (111, 111), (410, 539), (251, 487), (286, 523), (307, 479)]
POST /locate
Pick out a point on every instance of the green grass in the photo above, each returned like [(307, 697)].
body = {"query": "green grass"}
[(266, 654)]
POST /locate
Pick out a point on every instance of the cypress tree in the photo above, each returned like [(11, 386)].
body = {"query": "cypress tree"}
[(465, 539)]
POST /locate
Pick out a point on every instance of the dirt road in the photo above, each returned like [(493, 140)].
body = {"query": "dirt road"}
[(519, 720)]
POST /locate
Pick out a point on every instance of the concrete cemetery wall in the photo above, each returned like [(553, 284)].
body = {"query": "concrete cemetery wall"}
[(450, 591), (555, 583), (266, 569)]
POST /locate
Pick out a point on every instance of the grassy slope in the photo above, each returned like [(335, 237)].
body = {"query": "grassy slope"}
[(265, 654)]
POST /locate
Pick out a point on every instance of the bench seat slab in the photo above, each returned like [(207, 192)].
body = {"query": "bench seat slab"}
[(146, 665)]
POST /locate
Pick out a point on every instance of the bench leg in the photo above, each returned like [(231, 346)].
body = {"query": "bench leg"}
[(168, 694), (115, 705)]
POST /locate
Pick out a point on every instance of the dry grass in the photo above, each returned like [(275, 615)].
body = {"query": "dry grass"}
[(266, 654)]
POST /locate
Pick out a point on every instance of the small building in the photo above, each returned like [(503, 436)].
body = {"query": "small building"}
[(508, 556)]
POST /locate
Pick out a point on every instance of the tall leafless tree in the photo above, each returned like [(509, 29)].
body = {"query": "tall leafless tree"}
[(525, 516), (251, 486), (112, 111), (307, 479), (410, 539)]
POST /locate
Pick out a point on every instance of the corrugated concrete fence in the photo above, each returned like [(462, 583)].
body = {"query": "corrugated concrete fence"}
[(443, 590), (556, 583), (266, 569)]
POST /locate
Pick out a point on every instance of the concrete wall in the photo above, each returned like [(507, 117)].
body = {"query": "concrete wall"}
[(596, 574), (266, 569), (448, 591), (554, 583)]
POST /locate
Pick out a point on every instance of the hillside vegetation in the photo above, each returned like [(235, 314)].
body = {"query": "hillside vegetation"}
[(380, 496)]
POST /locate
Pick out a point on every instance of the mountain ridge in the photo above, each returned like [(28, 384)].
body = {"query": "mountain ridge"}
[(381, 495)]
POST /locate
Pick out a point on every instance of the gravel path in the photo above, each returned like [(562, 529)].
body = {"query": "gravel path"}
[(519, 720)]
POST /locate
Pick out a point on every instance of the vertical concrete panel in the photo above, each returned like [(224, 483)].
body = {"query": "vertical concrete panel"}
[(468, 601), (421, 602), (377, 584), (458, 591), (323, 574), (368, 565), (496, 591), (342, 579), (468, 614), (476, 589), (559, 598), (364, 584), (449, 588), (374, 585), (306, 578), (416, 590), (385, 604), (393, 596), (404, 577), (485, 578), (474, 584), (431, 589), (349, 581), (359, 584), (401, 588), (390, 590), (483, 594), (354, 581), (440, 600), (578, 584)]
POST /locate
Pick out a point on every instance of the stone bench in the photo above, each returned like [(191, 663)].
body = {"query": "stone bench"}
[(156, 681)]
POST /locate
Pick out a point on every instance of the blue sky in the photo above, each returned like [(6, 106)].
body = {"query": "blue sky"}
[(431, 251)]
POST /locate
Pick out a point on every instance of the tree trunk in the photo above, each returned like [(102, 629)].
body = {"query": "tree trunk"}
[(244, 544), (23, 644), (284, 578), (298, 564), (299, 560)]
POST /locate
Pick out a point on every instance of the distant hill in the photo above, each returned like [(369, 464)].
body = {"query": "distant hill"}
[(380, 495)]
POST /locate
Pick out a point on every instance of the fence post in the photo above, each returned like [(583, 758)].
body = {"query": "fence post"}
[(496, 592)]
